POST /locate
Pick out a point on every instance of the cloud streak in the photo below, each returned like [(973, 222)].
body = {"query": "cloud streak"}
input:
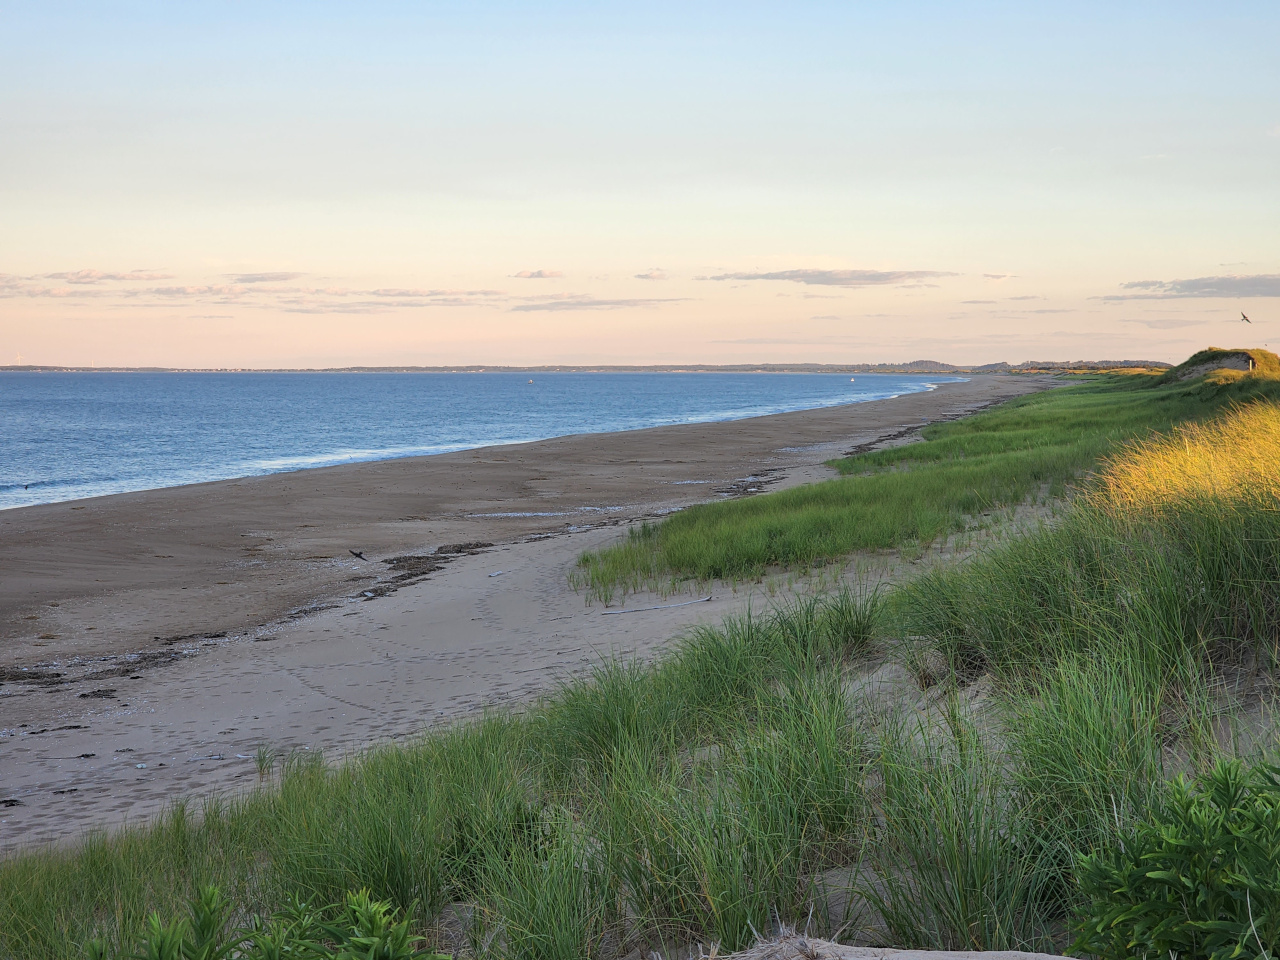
[(588, 303), (1230, 287), (839, 278), (538, 274), (654, 274), (246, 290), (262, 277), (100, 276)]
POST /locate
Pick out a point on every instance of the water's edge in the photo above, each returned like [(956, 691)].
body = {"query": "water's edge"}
[(75, 436)]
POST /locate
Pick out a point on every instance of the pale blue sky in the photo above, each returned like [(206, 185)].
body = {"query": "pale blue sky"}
[(391, 168)]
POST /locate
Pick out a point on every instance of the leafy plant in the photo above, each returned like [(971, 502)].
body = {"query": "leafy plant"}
[(1200, 879), (362, 929)]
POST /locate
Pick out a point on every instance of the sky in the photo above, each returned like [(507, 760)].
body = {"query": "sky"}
[(318, 184)]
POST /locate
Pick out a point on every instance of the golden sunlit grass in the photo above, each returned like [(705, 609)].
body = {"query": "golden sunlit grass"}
[(1231, 459)]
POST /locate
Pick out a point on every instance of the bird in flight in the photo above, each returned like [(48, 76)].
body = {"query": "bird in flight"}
[(360, 554), (1244, 318)]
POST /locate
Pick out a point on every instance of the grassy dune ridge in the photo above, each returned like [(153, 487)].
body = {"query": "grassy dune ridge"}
[(916, 493), (1047, 695)]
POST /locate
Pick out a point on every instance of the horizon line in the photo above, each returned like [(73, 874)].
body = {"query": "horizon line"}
[(910, 366)]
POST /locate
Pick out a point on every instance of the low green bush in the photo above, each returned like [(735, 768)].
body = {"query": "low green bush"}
[(1199, 880), (359, 929)]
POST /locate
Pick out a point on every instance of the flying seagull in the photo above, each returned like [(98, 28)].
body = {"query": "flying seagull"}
[(1244, 318), (360, 554)]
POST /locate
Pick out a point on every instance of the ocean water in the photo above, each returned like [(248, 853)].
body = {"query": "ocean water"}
[(64, 436)]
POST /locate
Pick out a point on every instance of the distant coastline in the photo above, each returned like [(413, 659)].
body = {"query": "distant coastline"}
[(914, 366)]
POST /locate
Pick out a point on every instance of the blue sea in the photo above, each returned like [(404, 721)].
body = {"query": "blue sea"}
[(64, 436)]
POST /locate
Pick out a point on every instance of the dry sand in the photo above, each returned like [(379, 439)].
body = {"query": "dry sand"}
[(150, 642)]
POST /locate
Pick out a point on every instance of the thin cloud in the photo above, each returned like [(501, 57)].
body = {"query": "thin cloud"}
[(826, 316), (997, 276), (591, 304), (433, 294), (544, 297), (654, 274), (101, 276), (205, 290), (262, 277), (839, 278), (15, 287), (1255, 285), (1029, 296), (384, 300), (977, 301), (538, 274)]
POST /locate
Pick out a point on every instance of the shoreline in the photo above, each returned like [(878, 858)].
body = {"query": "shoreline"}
[(294, 461), (182, 627)]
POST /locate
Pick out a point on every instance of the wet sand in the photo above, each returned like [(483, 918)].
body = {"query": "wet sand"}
[(150, 642)]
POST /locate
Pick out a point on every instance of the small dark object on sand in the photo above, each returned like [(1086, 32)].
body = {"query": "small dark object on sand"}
[(471, 546), (105, 693), (360, 554)]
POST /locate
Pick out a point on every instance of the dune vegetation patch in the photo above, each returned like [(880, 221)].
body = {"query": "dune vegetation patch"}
[(1039, 445)]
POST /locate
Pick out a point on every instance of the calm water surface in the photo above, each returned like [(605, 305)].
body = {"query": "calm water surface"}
[(64, 436)]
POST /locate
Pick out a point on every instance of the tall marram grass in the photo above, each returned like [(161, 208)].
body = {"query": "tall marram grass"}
[(918, 492), (1172, 556), (956, 865), (1115, 635)]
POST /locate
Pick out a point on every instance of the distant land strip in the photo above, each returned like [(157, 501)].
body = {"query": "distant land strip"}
[(915, 366)]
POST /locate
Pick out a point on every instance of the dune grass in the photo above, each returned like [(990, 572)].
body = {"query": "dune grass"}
[(715, 793), (1169, 558), (914, 494)]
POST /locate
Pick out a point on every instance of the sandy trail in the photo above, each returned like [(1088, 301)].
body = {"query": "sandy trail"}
[(127, 590)]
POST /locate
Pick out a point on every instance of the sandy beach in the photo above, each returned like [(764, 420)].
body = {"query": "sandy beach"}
[(150, 642)]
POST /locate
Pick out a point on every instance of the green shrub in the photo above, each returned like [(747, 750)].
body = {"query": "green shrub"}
[(1200, 879), (360, 929)]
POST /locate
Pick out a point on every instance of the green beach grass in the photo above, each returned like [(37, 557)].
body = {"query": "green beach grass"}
[(742, 780), (915, 494)]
